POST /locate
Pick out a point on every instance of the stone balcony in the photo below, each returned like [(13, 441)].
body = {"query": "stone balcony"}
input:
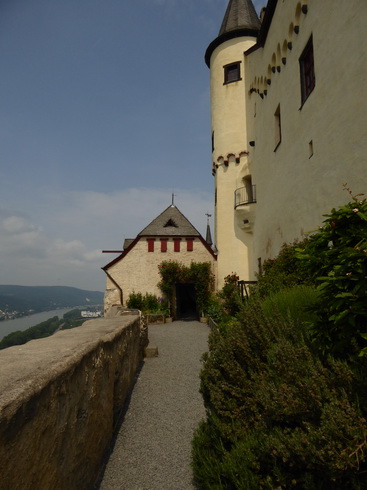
[(244, 200)]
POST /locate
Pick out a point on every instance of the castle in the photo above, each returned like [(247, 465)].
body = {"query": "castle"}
[(289, 130), (289, 127)]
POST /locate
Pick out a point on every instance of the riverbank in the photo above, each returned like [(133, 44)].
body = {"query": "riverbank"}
[(9, 326)]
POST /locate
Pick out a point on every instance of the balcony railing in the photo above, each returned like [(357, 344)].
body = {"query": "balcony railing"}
[(244, 195)]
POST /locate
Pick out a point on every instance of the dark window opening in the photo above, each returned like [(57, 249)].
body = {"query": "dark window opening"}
[(232, 72), (307, 70), (190, 244)]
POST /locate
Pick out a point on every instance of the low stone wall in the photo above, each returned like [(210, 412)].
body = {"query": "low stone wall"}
[(59, 400)]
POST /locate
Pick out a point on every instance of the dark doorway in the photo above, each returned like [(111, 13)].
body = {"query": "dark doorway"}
[(186, 302)]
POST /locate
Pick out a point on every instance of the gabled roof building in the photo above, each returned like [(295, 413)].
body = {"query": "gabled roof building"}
[(170, 236)]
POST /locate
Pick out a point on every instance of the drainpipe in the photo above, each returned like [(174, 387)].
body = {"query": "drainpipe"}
[(118, 287)]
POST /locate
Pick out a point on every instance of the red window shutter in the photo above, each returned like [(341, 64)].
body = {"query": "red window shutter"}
[(176, 242), (190, 244), (150, 244), (164, 244)]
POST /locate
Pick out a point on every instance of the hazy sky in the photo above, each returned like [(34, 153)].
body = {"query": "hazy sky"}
[(104, 113)]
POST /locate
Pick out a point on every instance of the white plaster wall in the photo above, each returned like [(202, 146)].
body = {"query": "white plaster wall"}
[(228, 117), (138, 270), (295, 189)]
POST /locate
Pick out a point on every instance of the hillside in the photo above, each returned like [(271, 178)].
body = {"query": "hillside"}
[(19, 300)]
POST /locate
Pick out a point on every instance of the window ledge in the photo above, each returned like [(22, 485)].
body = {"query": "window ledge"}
[(232, 81)]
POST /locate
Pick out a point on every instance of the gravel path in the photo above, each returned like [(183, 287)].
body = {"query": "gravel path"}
[(153, 448)]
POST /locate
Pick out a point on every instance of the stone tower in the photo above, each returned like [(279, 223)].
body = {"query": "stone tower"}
[(234, 193)]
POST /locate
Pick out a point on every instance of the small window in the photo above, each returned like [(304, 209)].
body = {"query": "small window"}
[(307, 70), (150, 244), (232, 72), (164, 244), (170, 223), (190, 244), (277, 127), (176, 244)]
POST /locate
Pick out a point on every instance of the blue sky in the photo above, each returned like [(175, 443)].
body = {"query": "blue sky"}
[(104, 113)]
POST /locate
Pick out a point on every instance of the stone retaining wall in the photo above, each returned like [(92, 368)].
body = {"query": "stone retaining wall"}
[(59, 400)]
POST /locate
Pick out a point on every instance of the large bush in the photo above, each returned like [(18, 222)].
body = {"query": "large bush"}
[(284, 389), (336, 256), (230, 295), (277, 417), (284, 271)]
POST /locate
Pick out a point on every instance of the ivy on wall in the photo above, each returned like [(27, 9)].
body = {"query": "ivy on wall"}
[(198, 273)]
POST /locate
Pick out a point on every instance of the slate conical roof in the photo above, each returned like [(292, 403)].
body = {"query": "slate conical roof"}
[(240, 14), (240, 19), (170, 223), (208, 237)]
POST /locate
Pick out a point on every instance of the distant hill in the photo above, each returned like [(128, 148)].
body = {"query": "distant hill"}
[(43, 298)]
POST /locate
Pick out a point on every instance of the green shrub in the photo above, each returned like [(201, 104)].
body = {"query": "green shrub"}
[(277, 417), (149, 303), (135, 301), (295, 303), (285, 271), (230, 295), (337, 258), (214, 309)]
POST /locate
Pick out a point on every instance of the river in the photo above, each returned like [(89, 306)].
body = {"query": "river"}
[(9, 326)]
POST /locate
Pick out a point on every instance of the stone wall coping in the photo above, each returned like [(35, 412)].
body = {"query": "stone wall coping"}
[(26, 369)]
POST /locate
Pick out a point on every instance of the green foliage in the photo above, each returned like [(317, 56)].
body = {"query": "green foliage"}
[(215, 309), (44, 329), (230, 295), (71, 319), (72, 315), (148, 303), (296, 303), (199, 274), (135, 301), (277, 417), (285, 271), (336, 256)]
